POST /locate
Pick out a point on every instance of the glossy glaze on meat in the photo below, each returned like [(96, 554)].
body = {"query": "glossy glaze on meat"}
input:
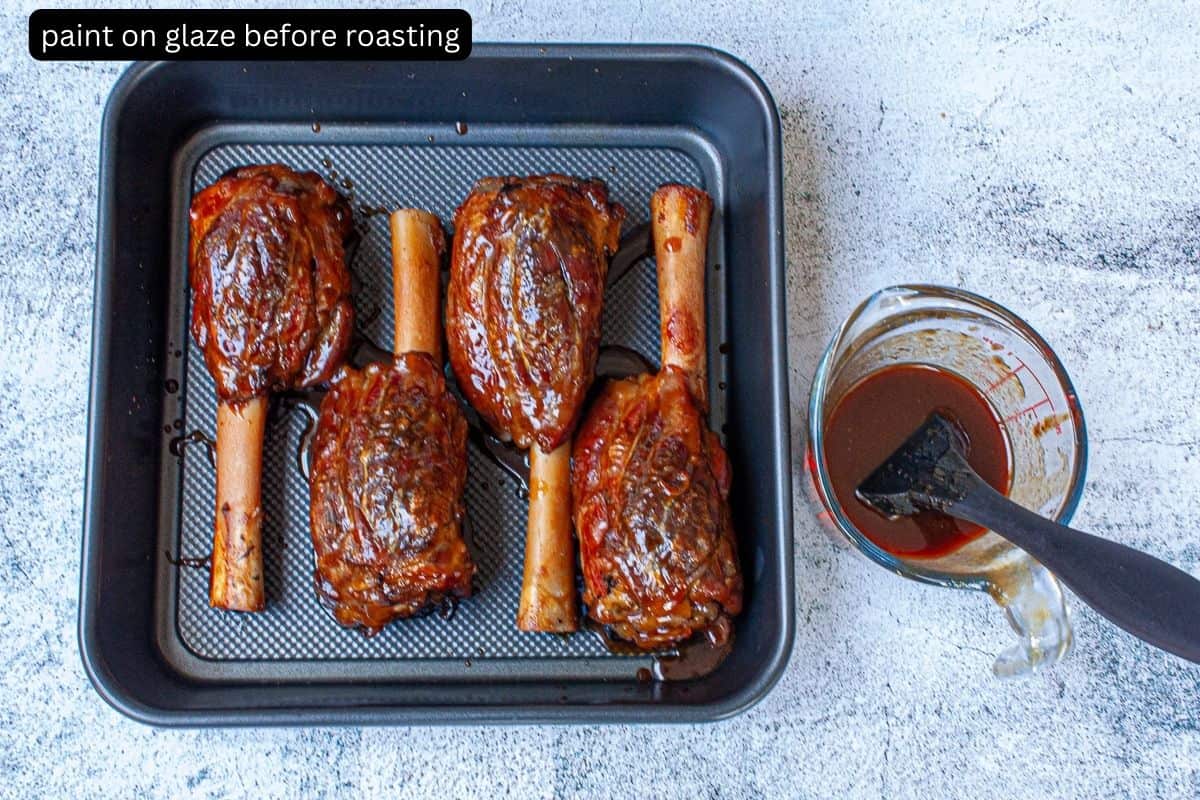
[(650, 485), (389, 467), (527, 275), (270, 287)]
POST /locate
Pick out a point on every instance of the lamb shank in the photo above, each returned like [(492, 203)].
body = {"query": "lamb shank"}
[(650, 481), (390, 461), (271, 311), (527, 274)]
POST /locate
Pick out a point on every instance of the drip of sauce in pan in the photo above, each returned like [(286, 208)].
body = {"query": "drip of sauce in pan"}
[(875, 417), (178, 444), (633, 250), (191, 563), (694, 658)]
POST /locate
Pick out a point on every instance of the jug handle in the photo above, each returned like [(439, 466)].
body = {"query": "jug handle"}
[(1033, 602)]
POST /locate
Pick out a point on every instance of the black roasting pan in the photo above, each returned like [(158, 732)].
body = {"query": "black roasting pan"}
[(413, 134)]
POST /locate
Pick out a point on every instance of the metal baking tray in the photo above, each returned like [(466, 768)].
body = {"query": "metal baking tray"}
[(392, 134)]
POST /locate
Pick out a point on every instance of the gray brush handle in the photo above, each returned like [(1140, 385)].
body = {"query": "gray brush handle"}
[(1151, 599)]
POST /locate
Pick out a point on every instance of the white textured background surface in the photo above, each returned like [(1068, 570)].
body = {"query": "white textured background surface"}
[(1042, 154)]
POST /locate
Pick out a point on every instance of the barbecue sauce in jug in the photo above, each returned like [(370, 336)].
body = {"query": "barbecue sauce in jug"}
[(876, 416)]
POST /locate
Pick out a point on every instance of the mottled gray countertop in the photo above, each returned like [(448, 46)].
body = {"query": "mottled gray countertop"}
[(1035, 152)]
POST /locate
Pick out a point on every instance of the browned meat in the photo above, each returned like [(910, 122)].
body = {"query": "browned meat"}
[(655, 536), (390, 460), (389, 467), (271, 311), (650, 482), (270, 288), (523, 310)]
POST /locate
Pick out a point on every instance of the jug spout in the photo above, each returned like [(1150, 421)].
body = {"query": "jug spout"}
[(1033, 601)]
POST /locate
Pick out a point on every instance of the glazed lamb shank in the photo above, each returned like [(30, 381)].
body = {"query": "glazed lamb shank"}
[(650, 481), (271, 311), (390, 460), (527, 273)]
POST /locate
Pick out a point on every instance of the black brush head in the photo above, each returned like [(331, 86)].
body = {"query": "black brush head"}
[(926, 472)]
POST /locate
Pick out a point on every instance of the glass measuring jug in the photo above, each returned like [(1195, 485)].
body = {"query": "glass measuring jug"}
[(1018, 373)]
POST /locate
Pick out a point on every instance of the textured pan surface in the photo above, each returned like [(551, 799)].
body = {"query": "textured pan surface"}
[(413, 171)]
